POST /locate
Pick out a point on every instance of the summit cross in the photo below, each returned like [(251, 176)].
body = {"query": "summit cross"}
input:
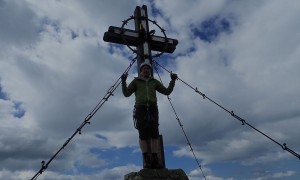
[(144, 40)]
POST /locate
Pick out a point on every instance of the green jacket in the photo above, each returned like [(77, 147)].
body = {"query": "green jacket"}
[(145, 91)]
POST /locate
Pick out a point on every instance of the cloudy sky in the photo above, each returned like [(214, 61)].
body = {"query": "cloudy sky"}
[(55, 68)]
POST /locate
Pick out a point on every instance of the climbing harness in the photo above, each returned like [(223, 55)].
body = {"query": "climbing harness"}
[(142, 120), (243, 121), (183, 131), (86, 120)]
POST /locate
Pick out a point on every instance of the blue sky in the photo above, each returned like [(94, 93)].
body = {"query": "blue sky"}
[(55, 67)]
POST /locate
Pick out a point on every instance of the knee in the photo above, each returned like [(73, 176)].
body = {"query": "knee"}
[(144, 135)]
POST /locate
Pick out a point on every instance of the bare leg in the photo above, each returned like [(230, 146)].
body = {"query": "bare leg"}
[(143, 146), (154, 145)]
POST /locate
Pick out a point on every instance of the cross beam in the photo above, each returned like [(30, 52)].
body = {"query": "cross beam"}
[(132, 38), (141, 38)]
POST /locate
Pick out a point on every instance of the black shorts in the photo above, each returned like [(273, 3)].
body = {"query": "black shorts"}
[(147, 121)]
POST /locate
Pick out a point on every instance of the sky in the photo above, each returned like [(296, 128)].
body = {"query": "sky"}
[(55, 68)]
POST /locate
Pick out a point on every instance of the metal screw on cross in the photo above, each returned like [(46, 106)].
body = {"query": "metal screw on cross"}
[(144, 40)]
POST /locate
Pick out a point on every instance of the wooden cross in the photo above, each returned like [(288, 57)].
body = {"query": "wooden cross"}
[(140, 38), (144, 41)]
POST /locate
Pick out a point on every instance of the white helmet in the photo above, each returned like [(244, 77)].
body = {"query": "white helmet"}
[(145, 64)]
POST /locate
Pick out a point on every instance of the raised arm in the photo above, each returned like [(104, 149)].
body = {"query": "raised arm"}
[(127, 91), (167, 91)]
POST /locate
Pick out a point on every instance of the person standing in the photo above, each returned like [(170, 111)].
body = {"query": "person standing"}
[(146, 110)]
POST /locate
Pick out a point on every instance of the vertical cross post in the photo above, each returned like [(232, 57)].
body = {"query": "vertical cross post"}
[(142, 27), (144, 55), (144, 41)]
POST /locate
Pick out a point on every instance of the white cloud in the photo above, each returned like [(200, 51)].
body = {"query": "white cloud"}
[(54, 62)]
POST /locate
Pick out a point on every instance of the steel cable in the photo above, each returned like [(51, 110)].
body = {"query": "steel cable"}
[(183, 131), (243, 121), (86, 121)]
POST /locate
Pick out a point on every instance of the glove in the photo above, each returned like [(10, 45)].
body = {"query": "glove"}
[(124, 77), (174, 76)]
